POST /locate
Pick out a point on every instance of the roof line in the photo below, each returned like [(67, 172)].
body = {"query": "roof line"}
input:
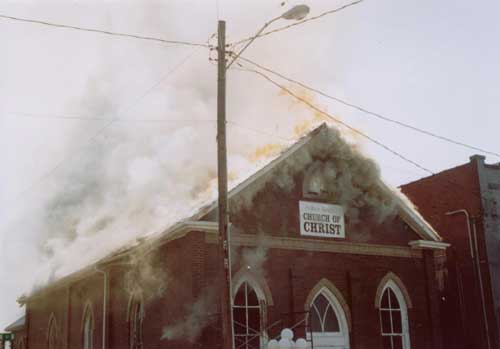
[(405, 209), (263, 171), (176, 231)]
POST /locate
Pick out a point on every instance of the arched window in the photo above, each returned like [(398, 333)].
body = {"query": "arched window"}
[(52, 333), (247, 312), (22, 343), (323, 317), (318, 178), (327, 321), (88, 329), (136, 315), (393, 318)]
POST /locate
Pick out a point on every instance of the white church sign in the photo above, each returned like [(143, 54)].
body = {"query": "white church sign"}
[(322, 220)]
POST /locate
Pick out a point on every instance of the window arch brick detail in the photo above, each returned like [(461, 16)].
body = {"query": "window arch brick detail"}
[(135, 298), (52, 337), (390, 276), (325, 283), (258, 283), (135, 318), (87, 308), (52, 322)]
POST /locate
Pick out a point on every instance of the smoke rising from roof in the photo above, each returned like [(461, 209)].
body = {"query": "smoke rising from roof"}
[(135, 178)]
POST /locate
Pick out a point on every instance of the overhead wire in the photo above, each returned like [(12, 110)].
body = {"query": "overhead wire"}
[(309, 19), (90, 118), (100, 31), (326, 114), (158, 120), (229, 122), (366, 111), (338, 121), (273, 135)]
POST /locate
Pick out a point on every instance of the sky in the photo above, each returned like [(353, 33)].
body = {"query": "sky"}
[(70, 179)]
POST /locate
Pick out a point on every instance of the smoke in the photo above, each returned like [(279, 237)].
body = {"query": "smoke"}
[(145, 275), (251, 259), (336, 171), (196, 318), (115, 182)]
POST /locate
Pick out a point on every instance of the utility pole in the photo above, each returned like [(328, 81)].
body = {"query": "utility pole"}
[(296, 13), (224, 242)]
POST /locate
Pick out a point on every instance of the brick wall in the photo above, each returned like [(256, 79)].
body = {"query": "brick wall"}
[(289, 273), (455, 189)]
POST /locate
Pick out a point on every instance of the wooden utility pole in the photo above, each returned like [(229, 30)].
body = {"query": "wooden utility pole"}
[(224, 243)]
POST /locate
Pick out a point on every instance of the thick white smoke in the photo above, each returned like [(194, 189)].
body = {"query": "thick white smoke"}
[(140, 175)]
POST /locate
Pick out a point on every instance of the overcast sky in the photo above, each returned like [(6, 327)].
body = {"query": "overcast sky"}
[(431, 64)]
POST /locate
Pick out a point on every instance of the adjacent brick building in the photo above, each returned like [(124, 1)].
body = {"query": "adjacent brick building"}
[(462, 204), (353, 267)]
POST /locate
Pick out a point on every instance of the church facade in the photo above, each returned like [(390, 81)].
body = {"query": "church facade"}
[(319, 245)]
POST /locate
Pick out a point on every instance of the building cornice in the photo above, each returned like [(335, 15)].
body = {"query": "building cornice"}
[(315, 245), (428, 245)]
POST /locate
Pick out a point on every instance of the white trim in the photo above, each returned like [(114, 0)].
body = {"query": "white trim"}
[(331, 339), (135, 298), (390, 276), (318, 245), (406, 210), (180, 229), (261, 297), (431, 245), (258, 283), (253, 283), (409, 214), (87, 309), (405, 326), (88, 318), (52, 324)]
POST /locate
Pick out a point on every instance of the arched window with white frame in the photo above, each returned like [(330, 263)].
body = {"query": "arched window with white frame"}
[(327, 322), (22, 343), (52, 333), (393, 314), (88, 328), (247, 317), (135, 319)]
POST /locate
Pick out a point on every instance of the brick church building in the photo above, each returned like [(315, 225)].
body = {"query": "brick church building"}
[(319, 244)]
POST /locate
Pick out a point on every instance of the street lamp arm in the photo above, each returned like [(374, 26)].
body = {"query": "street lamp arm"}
[(251, 40)]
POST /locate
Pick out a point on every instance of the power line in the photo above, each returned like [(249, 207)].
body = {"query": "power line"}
[(366, 111), (324, 113), (273, 135), (158, 120), (106, 32), (90, 118), (297, 23)]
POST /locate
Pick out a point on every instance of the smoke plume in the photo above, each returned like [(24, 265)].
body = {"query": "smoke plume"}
[(196, 317), (143, 153), (335, 171), (146, 276)]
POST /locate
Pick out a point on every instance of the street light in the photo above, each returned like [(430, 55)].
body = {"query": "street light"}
[(296, 13)]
